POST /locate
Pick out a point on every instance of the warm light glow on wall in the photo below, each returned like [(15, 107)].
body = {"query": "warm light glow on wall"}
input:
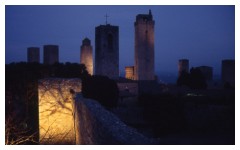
[(129, 72), (56, 121), (86, 58)]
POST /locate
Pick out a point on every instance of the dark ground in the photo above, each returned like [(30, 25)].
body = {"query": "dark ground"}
[(206, 119)]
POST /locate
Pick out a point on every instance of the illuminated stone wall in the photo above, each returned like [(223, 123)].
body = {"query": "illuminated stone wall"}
[(56, 121), (66, 118)]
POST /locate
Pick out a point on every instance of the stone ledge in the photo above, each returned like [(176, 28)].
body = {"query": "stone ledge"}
[(96, 125)]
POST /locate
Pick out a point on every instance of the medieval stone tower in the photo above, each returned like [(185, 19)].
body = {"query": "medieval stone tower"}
[(51, 54), (107, 51), (144, 47), (183, 66), (86, 55), (33, 54)]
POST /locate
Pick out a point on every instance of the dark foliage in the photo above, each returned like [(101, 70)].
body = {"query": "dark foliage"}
[(227, 85), (164, 112), (22, 98), (195, 79), (184, 79), (69, 70), (196, 116), (102, 89)]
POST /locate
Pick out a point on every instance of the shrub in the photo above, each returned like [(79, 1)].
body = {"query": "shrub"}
[(102, 89)]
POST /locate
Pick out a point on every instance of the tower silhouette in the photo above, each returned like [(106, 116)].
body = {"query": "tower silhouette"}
[(107, 51), (33, 54), (183, 66), (144, 47), (86, 55), (51, 54)]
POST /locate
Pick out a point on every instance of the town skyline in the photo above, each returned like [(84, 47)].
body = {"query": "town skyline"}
[(59, 101), (204, 46)]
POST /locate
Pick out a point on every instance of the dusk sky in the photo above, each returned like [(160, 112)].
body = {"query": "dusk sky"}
[(203, 34)]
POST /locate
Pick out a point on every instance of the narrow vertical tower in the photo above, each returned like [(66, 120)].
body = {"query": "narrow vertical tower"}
[(51, 54), (144, 47), (107, 51), (33, 54), (183, 66), (86, 56)]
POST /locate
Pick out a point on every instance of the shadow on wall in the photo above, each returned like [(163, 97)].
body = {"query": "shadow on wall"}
[(68, 118), (56, 122)]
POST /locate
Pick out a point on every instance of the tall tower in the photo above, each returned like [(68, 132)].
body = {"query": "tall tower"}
[(33, 54), (107, 51), (86, 55), (144, 47), (183, 66), (50, 54)]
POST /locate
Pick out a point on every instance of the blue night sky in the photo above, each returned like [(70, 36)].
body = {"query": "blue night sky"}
[(203, 34)]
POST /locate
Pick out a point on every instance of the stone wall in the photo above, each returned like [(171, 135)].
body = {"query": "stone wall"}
[(96, 125), (56, 122), (68, 118)]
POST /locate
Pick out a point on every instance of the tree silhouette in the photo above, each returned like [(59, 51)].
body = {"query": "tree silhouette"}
[(184, 79), (195, 79), (102, 89)]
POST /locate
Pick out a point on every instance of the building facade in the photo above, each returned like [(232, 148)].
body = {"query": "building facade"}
[(107, 51), (129, 72), (50, 54), (86, 55), (144, 47), (33, 54)]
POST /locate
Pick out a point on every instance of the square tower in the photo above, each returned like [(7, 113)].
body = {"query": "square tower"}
[(50, 54), (33, 54), (107, 51), (144, 47)]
